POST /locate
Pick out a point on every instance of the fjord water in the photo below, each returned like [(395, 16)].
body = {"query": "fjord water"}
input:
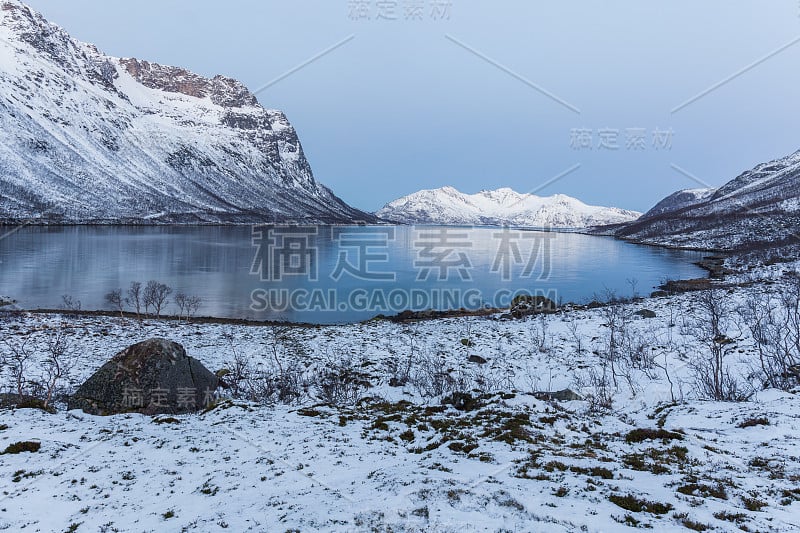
[(326, 274)]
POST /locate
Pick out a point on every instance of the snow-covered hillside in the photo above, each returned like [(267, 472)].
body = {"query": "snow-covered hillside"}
[(504, 206), (680, 200), (88, 137), (760, 207)]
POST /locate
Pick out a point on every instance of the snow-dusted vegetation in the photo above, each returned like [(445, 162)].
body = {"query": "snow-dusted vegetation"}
[(673, 413)]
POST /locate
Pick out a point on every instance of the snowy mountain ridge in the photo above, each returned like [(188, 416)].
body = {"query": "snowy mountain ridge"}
[(761, 207), (86, 137), (504, 206)]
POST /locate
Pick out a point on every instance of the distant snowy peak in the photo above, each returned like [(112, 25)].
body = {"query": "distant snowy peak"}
[(86, 137), (504, 206)]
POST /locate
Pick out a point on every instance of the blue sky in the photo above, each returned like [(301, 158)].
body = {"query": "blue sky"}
[(401, 107)]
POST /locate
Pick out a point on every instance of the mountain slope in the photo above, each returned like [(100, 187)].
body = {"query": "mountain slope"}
[(87, 137), (760, 207), (448, 206)]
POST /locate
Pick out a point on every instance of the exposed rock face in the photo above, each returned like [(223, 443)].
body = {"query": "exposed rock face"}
[(85, 137), (225, 92), (152, 377)]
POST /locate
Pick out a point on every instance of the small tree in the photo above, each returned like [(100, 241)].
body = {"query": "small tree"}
[(180, 301), (114, 299), (134, 297), (187, 305), (193, 304), (156, 295)]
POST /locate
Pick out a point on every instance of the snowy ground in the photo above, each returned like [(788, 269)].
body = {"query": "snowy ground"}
[(399, 460)]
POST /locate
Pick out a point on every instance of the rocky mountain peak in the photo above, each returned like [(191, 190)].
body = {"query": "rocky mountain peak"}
[(222, 91)]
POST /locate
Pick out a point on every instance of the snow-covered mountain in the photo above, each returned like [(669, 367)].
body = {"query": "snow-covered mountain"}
[(449, 206), (89, 137), (679, 200), (760, 207)]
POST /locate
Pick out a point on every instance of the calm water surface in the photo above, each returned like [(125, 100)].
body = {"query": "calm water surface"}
[(327, 274)]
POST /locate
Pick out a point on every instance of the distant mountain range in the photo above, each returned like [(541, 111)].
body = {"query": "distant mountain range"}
[(760, 207), (85, 137), (448, 206)]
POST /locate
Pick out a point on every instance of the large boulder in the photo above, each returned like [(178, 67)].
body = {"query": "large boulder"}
[(152, 377)]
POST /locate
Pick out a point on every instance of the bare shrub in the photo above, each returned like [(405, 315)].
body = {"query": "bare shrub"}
[(616, 318), (70, 304), (597, 388), (340, 383), (774, 323), (712, 376), (432, 376), (539, 334), (264, 379), (41, 379), (17, 355), (59, 360)]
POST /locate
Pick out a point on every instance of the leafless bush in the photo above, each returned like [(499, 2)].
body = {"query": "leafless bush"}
[(538, 332), (400, 369), (266, 384), (340, 383), (238, 372), (616, 318), (636, 349), (597, 388), (17, 355), (263, 379), (712, 374), (774, 323), (432, 376), (39, 365), (156, 295), (70, 304), (577, 337), (59, 360), (487, 379)]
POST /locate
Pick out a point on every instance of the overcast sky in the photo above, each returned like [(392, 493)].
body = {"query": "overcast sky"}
[(481, 95)]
